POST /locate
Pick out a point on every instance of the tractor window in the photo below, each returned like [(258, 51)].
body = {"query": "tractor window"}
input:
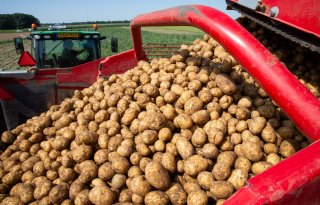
[(67, 52)]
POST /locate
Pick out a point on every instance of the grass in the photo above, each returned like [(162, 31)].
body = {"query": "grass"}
[(125, 42), (179, 28)]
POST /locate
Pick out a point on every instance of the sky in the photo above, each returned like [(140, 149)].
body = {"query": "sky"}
[(59, 11)]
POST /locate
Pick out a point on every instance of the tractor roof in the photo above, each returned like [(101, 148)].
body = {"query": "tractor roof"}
[(64, 31), (63, 34)]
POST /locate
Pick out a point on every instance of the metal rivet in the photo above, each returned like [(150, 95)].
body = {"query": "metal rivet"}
[(274, 11)]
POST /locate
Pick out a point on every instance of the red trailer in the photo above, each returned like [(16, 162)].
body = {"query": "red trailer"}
[(295, 180)]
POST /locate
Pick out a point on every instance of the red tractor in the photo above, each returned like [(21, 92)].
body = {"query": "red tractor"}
[(293, 181)]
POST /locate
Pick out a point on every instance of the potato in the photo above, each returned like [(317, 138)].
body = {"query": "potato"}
[(183, 121), (23, 191), (169, 162), (7, 137), (200, 117), (268, 134), (140, 186), (221, 171), (82, 153), (129, 115), (176, 194), (60, 143), (125, 196), (156, 197), (238, 178), (42, 189), (205, 180), (66, 174), (82, 198), (251, 151), (58, 194), (226, 84), (197, 197), (209, 151), (75, 188), (101, 156), (269, 148), (195, 164), (157, 175), (11, 201), (273, 158), (227, 158), (193, 105), (221, 189), (286, 132), (88, 171), (243, 163), (288, 147), (155, 120), (118, 181), (101, 195), (136, 199), (259, 167), (256, 125), (185, 148)]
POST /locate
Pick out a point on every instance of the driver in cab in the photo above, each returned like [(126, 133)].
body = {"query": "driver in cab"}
[(69, 54)]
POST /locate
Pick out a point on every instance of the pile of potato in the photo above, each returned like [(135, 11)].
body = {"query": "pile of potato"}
[(303, 63), (191, 129)]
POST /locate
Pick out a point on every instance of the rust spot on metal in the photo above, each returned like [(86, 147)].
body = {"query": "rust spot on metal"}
[(184, 10)]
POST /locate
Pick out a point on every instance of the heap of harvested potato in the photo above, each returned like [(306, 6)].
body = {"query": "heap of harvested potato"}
[(191, 129), (304, 63)]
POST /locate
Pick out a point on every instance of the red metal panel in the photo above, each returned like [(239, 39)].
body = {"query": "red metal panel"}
[(4, 94), (81, 75), (118, 63), (301, 14), (296, 180), (294, 99)]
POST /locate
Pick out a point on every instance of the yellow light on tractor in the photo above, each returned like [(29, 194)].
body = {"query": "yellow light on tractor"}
[(33, 26), (95, 26)]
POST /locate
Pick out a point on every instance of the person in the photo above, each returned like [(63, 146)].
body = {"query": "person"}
[(69, 55)]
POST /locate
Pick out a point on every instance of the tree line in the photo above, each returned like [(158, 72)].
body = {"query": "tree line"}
[(17, 21)]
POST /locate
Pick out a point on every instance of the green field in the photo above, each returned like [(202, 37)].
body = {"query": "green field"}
[(162, 35)]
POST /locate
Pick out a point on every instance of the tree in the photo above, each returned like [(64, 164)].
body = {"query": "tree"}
[(6, 21), (17, 21)]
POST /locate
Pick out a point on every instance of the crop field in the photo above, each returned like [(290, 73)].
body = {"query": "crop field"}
[(167, 35)]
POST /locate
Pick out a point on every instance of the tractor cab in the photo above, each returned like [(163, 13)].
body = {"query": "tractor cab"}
[(62, 49)]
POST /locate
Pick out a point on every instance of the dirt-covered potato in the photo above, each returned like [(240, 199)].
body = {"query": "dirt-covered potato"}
[(195, 164), (205, 180), (288, 147), (238, 178), (177, 194), (58, 194), (221, 189), (251, 151), (183, 121), (140, 186), (226, 84), (197, 197), (156, 197), (157, 175), (259, 167), (101, 195), (185, 148)]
